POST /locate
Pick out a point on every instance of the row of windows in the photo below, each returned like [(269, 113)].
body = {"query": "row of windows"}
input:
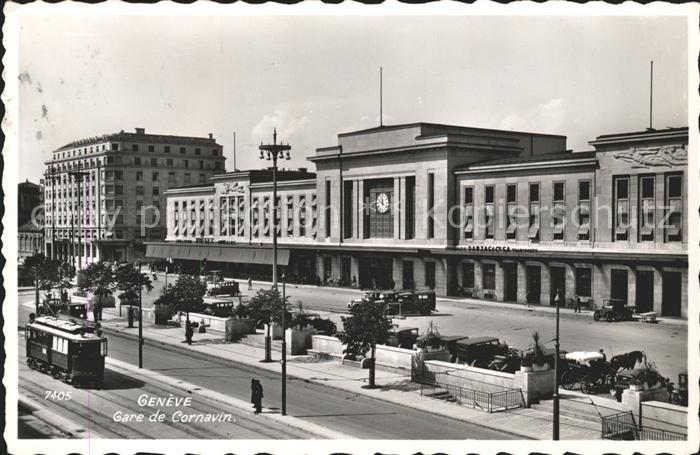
[(166, 149), (584, 192)]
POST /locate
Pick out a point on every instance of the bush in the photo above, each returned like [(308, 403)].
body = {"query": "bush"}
[(163, 313)]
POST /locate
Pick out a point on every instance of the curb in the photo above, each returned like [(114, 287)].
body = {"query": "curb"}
[(54, 420), (175, 348), (289, 421)]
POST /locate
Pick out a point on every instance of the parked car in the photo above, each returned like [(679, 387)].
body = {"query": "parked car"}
[(479, 351), (218, 307), (614, 310), (225, 288), (404, 302), (403, 337)]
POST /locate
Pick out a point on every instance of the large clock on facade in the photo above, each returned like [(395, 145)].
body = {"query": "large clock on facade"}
[(382, 203)]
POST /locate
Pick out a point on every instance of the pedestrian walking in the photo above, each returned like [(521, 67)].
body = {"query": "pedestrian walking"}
[(256, 395), (250, 283), (189, 332), (578, 304)]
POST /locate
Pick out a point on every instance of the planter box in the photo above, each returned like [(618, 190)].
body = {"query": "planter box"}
[(298, 341), (237, 328)]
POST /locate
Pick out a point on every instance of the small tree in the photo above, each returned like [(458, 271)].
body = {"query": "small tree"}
[(128, 279), (99, 279), (49, 274), (266, 306), (365, 328), (187, 294)]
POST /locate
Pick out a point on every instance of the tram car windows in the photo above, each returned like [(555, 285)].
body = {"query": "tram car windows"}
[(66, 350)]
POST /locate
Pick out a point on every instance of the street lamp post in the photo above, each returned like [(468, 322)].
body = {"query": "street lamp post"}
[(284, 345), (274, 152), (36, 286), (140, 319), (555, 398)]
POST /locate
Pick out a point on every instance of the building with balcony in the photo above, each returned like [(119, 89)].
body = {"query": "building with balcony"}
[(104, 194), (493, 214)]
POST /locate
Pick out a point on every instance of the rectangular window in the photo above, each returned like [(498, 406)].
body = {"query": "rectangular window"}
[(137, 161), (201, 164), (646, 209), (674, 207), (202, 178), (214, 152), (186, 163), (169, 162), (139, 190), (469, 213), (558, 191), (488, 194), (167, 149), (621, 206), (134, 147), (154, 161), (171, 178), (118, 175), (110, 160), (347, 209), (182, 150), (410, 206), (151, 148), (534, 192), (431, 206), (583, 282), (118, 189), (327, 209), (156, 191), (511, 193), (114, 147), (197, 151), (155, 176), (188, 178)]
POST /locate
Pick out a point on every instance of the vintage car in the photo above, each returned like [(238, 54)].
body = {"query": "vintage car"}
[(218, 307), (400, 303), (403, 337), (478, 351), (224, 288), (614, 310)]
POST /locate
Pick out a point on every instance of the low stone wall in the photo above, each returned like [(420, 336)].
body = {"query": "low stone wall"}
[(664, 416), (237, 328), (213, 322), (298, 341), (327, 344), (394, 357), (535, 385)]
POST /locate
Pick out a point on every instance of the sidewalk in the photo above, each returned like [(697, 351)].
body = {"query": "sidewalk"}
[(395, 388)]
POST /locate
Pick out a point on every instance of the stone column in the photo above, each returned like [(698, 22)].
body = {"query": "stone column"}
[(402, 212), (545, 282), (478, 278), (360, 209), (631, 286), (499, 281), (419, 273), (658, 289), (522, 282), (397, 209), (355, 210), (397, 272), (570, 282)]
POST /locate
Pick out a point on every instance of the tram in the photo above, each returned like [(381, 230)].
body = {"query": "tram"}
[(71, 352)]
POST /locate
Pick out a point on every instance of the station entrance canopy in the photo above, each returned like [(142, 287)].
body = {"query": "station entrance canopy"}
[(217, 253)]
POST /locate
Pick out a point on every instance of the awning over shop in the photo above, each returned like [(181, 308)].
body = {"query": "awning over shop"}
[(218, 253)]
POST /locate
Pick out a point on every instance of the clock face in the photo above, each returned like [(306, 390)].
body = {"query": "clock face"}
[(382, 203)]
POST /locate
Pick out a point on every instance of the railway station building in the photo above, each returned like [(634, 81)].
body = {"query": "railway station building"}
[(491, 214)]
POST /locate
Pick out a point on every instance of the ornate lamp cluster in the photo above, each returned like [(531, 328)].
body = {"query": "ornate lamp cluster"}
[(274, 151)]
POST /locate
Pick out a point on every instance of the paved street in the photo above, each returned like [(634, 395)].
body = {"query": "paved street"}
[(344, 412), (665, 344)]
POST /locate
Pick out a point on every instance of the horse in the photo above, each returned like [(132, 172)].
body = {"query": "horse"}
[(626, 361)]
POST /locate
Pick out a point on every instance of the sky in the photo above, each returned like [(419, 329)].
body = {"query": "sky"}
[(313, 77)]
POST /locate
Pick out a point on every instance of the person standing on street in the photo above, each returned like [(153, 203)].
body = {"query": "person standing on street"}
[(256, 395), (250, 283), (578, 304), (188, 333)]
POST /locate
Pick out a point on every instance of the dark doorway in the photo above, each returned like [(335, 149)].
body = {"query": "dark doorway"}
[(510, 282), (534, 283), (645, 291), (618, 284), (430, 275), (558, 283), (408, 281), (376, 272), (345, 271), (671, 300)]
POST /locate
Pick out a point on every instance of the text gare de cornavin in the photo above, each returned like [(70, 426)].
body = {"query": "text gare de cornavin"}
[(157, 414)]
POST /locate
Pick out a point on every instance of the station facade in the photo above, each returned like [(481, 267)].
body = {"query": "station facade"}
[(491, 214)]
